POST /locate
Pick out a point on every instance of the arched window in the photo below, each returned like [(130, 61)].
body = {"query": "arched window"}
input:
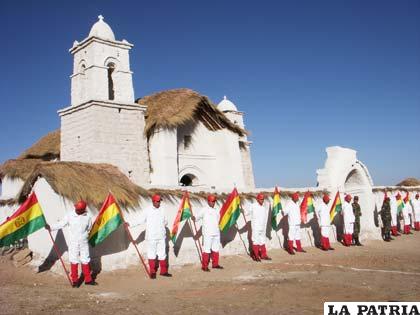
[(111, 68), (188, 180)]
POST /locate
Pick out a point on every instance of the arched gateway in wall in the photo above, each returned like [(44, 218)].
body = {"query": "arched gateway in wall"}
[(343, 172)]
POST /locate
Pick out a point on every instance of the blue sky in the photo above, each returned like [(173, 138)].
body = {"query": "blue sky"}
[(307, 74)]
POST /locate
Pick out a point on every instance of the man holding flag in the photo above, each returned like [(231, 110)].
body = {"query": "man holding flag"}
[(406, 210), (79, 223), (416, 212), (156, 222), (259, 216), (211, 234), (294, 219), (323, 214), (349, 219)]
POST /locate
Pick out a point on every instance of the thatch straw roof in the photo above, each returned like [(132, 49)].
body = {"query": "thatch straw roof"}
[(19, 168), (409, 182), (47, 148), (173, 108), (91, 182)]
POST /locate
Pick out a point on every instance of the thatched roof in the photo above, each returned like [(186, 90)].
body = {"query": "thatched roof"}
[(91, 182), (47, 148), (409, 182), (173, 108), (19, 168)]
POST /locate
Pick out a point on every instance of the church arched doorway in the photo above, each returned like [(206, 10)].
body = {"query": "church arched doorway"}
[(188, 180)]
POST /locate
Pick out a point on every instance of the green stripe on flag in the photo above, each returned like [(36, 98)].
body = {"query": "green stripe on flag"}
[(186, 214)]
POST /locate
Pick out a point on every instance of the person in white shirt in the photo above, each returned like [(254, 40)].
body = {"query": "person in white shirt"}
[(406, 215), (210, 217), (394, 215), (323, 214), (79, 223), (259, 216), (156, 222), (349, 219), (416, 212), (292, 211)]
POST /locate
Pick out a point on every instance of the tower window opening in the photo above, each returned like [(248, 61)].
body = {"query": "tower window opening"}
[(187, 142), (111, 68)]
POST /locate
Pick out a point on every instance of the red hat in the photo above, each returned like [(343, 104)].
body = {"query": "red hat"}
[(398, 196), (80, 205), (260, 196), (326, 198), (156, 197), (406, 199), (211, 198), (347, 198), (295, 196)]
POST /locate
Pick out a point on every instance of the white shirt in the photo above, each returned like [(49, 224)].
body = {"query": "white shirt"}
[(323, 213), (416, 208), (293, 213), (210, 224), (348, 213), (259, 216), (79, 225), (393, 205), (407, 210), (156, 222)]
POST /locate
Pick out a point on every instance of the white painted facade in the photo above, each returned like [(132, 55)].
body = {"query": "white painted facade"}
[(104, 125)]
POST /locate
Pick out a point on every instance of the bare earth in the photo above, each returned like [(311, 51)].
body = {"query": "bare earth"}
[(297, 284)]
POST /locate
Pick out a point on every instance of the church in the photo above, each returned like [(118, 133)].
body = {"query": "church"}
[(168, 139)]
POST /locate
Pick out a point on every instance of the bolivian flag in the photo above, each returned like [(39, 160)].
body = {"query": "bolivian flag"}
[(230, 211), (277, 207), (307, 206), (26, 220), (184, 213), (107, 221), (336, 207)]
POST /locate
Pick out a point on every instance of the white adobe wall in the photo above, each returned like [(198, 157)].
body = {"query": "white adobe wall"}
[(163, 157), (107, 132), (10, 187)]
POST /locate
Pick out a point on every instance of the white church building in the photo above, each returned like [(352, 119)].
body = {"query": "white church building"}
[(171, 138)]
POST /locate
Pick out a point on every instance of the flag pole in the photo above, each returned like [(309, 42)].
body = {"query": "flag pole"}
[(195, 228), (133, 242), (240, 236), (57, 252)]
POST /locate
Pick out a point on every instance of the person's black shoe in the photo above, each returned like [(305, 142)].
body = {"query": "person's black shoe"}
[(93, 282), (153, 276), (331, 248), (166, 274), (206, 269), (266, 258), (218, 267)]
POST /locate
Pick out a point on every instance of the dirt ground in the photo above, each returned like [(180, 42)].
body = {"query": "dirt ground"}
[(297, 284)]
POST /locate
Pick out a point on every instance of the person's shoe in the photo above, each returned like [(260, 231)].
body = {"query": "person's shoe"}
[(206, 269), (166, 274), (153, 276), (254, 258), (218, 267), (331, 248), (301, 250), (93, 282), (266, 258), (74, 285)]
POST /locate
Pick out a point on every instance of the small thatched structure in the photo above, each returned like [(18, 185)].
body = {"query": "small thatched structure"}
[(173, 108), (47, 148), (409, 182), (90, 182)]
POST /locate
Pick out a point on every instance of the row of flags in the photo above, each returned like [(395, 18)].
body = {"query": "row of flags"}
[(30, 218)]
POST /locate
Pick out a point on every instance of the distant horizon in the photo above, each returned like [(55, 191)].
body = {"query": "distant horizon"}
[(307, 76)]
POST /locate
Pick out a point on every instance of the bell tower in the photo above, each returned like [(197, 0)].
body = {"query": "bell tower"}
[(102, 123)]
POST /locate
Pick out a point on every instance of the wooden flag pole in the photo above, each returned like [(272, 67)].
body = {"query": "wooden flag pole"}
[(200, 253), (195, 228), (246, 222), (57, 252), (134, 243)]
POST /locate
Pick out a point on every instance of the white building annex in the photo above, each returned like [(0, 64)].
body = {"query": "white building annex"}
[(165, 142)]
